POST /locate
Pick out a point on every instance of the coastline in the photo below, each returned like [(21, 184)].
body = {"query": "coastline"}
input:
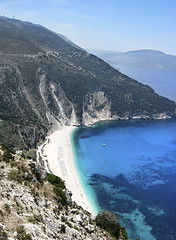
[(56, 153)]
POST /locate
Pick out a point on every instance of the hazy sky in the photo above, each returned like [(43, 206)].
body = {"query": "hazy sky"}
[(118, 25)]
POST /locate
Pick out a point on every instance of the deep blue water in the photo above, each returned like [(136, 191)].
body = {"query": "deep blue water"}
[(134, 174)]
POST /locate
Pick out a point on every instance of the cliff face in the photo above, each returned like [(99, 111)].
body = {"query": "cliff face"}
[(96, 108), (56, 102), (47, 78)]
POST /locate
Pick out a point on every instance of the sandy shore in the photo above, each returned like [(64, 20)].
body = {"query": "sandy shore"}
[(57, 155)]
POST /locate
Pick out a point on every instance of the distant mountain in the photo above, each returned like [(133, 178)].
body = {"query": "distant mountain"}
[(140, 58), (44, 78), (153, 68)]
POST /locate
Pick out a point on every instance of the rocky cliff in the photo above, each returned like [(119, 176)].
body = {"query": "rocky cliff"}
[(43, 77), (34, 207)]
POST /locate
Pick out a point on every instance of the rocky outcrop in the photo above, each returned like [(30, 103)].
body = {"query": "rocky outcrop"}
[(56, 101), (62, 108), (29, 207), (96, 108), (161, 116)]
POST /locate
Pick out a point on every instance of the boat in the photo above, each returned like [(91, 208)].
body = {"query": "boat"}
[(103, 144)]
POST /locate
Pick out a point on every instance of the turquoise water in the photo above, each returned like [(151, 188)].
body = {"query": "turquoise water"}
[(129, 167)]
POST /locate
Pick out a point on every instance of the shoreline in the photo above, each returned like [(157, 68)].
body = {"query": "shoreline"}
[(57, 155)]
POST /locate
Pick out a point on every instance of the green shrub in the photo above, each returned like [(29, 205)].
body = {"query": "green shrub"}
[(32, 165), (16, 176), (1, 213), (63, 219), (13, 175), (76, 228), (7, 208), (69, 224), (61, 194), (31, 154), (35, 219), (14, 164), (56, 181), (36, 172), (22, 235), (62, 230), (58, 187), (109, 222), (124, 232), (38, 218), (6, 148), (7, 156)]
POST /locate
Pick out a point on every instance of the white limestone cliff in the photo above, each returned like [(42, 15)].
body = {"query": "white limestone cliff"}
[(96, 108)]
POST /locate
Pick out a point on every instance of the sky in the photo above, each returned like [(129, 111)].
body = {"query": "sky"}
[(114, 25)]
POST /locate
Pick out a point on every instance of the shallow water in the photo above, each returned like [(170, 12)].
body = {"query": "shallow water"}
[(129, 167)]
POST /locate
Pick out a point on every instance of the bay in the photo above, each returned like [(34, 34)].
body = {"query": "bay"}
[(129, 167)]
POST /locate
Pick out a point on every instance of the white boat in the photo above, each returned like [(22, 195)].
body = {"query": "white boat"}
[(103, 144)]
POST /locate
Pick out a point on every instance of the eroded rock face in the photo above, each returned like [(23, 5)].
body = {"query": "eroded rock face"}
[(96, 107), (63, 108), (56, 102)]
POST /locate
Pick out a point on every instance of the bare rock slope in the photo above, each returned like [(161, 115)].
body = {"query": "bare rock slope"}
[(30, 209)]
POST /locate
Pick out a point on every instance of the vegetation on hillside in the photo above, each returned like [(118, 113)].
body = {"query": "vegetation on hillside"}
[(23, 110), (58, 187), (30, 201), (109, 222)]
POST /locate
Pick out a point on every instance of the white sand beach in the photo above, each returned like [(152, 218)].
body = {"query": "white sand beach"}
[(57, 153)]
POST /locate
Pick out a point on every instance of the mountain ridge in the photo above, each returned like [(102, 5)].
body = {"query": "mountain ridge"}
[(148, 58), (43, 77)]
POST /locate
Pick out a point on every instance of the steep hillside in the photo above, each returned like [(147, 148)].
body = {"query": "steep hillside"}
[(43, 77), (35, 205)]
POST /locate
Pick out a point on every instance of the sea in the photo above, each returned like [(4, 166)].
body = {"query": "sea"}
[(161, 80), (129, 167)]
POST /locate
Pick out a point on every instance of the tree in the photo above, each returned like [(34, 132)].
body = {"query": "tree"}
[(109, 222)]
